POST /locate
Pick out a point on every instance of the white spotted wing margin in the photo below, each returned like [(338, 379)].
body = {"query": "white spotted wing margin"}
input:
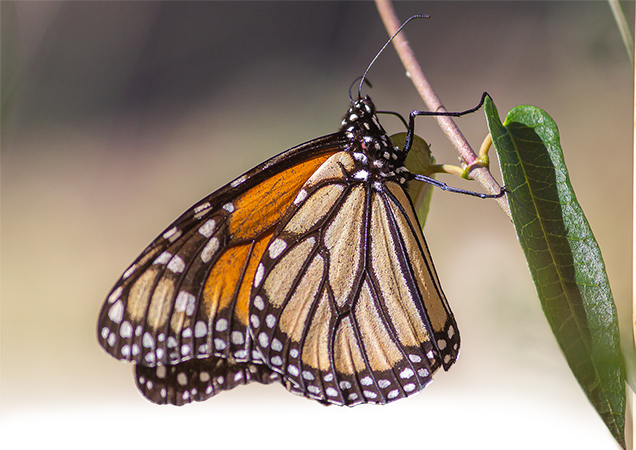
[(197, 380), (346, 304)]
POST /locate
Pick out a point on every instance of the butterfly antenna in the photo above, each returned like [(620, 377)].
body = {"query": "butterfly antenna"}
[(363, 79)]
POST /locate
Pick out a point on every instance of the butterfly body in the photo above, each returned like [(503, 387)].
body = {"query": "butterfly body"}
[(310, 269)]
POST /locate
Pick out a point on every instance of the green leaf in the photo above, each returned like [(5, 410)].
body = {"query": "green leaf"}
[(419, 160), (563, 256)]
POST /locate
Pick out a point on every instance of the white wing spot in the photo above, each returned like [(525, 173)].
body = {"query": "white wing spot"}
[(447, 359), (259, 303), (276, 248), (256, 322), (430, 354), (237, 338), (293, 353), (182, 301), (270, 320), (307, 375), (221, 325), (328, 378), (277, 345), (415, 358), (187, 333), (125, 350), (204, 376), (210, 249), (176, 264), (451, 332), (202, 207), (394, 393), (207, 229), (423, 373), (172, 342), (148, 341), (185, 349), (313, 389), (163, 258), (263, 339), (126, 330), (200, 329), (345, 385), (129, 272), (182, 379), (260, 271), (168, 234), (302, 195), (369, 394), (384, 384), (409, 387), (116, 312), (406, 373), (292, 369), (366, 381), (115, 294), (352, 397), (229, 207), (240, 180), (331, 392), (441, 343), (277, 361), (219, 344), (112, 339)]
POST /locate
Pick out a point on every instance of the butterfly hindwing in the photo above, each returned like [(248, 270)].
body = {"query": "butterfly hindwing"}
[(341, 309), (198, 379), (346, 304)]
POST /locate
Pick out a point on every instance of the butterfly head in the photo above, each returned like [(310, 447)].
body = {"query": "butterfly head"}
[(361, 126)]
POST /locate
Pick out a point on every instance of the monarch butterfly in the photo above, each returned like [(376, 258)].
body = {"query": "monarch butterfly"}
[(310, 270)]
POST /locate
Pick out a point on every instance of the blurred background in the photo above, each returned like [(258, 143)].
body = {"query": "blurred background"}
[(117, 116)]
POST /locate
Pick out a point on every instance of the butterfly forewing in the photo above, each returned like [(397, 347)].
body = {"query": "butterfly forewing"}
[(186, 296)]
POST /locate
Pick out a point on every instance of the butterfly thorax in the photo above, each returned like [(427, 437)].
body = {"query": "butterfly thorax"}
[(371, 145)]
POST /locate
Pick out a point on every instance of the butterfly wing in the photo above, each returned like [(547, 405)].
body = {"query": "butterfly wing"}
[(186, 296), (346, 304), (198, 379)]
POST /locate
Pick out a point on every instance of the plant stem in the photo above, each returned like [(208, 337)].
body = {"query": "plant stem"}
[(447, 124)]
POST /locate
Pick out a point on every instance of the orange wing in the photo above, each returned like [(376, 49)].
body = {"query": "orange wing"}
[(186, 296)]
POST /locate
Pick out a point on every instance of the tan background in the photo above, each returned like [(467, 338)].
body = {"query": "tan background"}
[(116, 117)]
